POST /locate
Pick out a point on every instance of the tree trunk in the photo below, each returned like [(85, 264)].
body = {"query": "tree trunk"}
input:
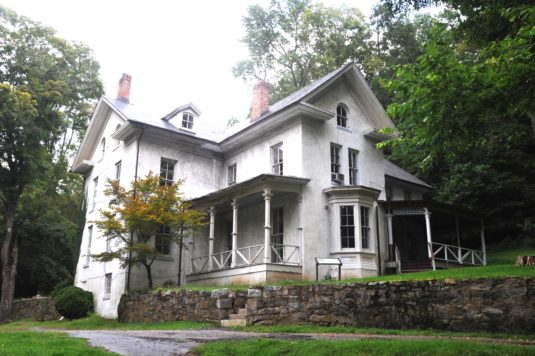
[(9, 263), (149, 275)]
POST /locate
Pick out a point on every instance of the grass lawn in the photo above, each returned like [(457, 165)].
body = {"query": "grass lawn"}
[(359, 347), (42, 344), (94, 322)]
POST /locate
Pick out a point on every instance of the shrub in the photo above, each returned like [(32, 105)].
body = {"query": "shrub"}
[(68, 282), (74, 303)]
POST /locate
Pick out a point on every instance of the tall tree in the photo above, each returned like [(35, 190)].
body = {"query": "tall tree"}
[(294, 42), (48, 85), (466, 112), (141, 214)]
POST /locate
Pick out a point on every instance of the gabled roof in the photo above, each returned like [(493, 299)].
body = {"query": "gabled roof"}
[(391, 170), (188, 107)]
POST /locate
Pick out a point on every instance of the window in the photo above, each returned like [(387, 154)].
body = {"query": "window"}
[(341, 115), (187, 121), (277, 159), (108, 244), (102, 149), (88, 249), (95, 188), (118, 171), (167, 171), (335, 163), (365, 226), (117, 142), (388, 191), (107, 286), (347, 226), (162, 241), (277, 236), (231, 174), (352, 154)]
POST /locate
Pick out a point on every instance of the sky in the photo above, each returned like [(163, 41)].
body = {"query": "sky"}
[(176, 51)]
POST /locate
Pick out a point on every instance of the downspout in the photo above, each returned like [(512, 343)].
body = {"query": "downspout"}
[(131, 232)]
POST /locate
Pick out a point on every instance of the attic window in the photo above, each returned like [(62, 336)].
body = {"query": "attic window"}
[(187, 121), (341, 115)]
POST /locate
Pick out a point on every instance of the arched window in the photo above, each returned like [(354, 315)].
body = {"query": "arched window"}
[(117, 142), (187, 121), (102, 148), (341, 115)]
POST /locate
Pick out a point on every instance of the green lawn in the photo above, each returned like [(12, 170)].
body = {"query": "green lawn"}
[(359, 347), (94, 322), (43, 344)]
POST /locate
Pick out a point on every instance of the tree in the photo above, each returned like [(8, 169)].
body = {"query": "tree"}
[(47, 87), (294, 42), (138, 215), (466, 113)]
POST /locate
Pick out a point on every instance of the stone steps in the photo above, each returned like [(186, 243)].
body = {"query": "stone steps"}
[(239, 319)]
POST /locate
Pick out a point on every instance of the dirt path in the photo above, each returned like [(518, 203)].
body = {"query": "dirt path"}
[(179, 342)]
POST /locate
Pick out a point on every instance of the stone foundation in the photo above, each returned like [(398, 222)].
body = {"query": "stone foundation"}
[(506, 304), (39, 309)]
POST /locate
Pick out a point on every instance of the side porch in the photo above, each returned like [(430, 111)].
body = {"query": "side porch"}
[(431, 235), (254, 233)]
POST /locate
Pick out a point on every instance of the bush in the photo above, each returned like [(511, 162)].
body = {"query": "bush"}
[(74, 303), (68, 282)]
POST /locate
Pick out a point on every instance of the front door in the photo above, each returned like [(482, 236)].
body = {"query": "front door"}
[(277, 235)]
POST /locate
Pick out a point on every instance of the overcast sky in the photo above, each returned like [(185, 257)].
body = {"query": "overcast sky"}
[(176, 51)]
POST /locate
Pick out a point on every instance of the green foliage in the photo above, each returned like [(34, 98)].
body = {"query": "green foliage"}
[(137, 215), (60, 286), (293, 42), (46, 344), (358, 347), (74, 303)]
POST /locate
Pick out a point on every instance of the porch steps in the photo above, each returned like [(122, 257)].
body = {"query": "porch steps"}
[(239, 319), (409, 267)]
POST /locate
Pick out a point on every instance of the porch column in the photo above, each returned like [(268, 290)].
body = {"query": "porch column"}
[(300, 229), (391, 253), (267, 225), (235, 207), (483, 247), (458, 235), (211, 238), (427, 214)]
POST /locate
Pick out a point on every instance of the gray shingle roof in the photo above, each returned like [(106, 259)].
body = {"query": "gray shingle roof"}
[(394, 171)]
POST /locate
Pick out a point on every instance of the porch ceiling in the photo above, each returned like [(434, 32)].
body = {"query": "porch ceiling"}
[(257, 184)]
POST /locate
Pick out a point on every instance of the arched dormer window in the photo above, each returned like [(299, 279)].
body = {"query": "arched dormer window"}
[(102, 149), (187, 121), (117, 142), (341, 115)]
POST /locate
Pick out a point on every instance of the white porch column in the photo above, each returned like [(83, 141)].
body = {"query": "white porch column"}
[(235, 207), (389, 217), (459, 252), (211, 238), (427, 214), (267, 225), (483, 247), (300, 229)]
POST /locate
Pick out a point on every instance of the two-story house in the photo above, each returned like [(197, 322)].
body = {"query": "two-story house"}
[(301, 180)]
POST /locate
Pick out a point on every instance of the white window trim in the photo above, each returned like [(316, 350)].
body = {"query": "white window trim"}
[(192, 121), (279, 166), (107, 288), (88, 246), (229, 167), (336, 240)]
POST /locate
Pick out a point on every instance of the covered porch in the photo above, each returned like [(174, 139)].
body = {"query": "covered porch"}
[(254, 233), (431, 235)]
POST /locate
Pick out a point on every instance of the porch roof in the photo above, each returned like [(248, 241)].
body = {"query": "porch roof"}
[(432, 205), (250, 186)]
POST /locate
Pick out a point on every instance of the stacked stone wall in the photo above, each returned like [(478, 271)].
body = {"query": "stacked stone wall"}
[(506, 304), (39, 309)]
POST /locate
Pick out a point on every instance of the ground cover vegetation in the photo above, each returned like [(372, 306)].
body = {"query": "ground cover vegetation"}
[(358, 347)]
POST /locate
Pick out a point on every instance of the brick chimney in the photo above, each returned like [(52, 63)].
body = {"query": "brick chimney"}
[(260, 100), (123, 92)]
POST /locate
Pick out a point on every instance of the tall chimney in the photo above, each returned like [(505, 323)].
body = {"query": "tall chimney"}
[(260, 100), (123, 93)]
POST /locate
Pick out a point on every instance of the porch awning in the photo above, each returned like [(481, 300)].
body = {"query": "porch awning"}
[(251, 186), (412, 207)]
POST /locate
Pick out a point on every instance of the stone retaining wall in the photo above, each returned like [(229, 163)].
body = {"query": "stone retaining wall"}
[(39, 309), (506, 304)]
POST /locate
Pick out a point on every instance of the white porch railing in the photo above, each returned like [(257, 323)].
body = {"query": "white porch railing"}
[(247, 256), (456, 254)]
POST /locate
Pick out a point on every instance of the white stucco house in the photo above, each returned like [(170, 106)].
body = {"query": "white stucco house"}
[(301, 180)]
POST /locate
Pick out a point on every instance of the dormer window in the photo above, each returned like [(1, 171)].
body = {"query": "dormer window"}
[(102, 149), (341, 115), (187, 121)]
